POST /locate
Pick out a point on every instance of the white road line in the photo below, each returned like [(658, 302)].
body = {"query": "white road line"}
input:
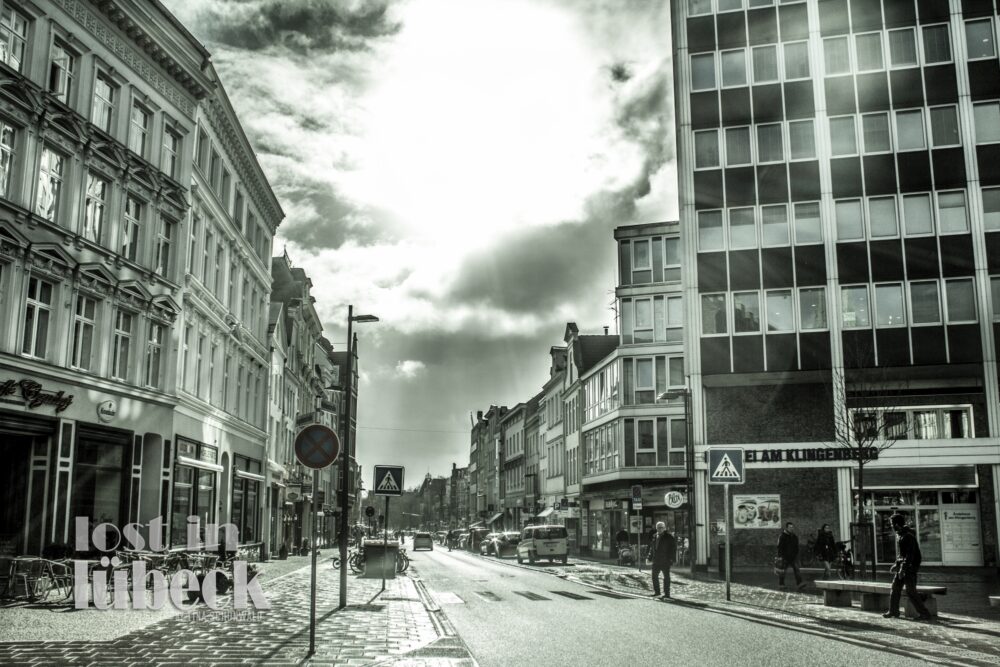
[(446, 597)]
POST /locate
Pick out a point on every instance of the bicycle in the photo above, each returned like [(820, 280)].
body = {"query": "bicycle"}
[(402, 561)]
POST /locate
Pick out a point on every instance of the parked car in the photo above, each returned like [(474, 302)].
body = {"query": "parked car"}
[(501, 544), (423, 541), (441, 536), (486, 546), (462, 539), (542, 542), (476, 536)]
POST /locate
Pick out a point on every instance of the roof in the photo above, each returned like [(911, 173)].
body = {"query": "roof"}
[(588, 350)]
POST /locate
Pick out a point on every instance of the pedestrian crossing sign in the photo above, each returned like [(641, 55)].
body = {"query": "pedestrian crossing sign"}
[(725, 465), (388, 481)]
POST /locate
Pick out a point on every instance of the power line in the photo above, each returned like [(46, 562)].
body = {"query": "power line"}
[(407, 430)]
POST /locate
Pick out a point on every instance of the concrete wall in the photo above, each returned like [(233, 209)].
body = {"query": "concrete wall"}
[(768, 413)]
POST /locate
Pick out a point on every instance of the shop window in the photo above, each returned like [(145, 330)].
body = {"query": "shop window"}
[(925, 303), (808, 228), (902, 47), (854, 307), (944, 126), (246, 491), (917, 219), (812, 308), (937, 44), (836, 56), (37, 313), (98, 478), (13, 36), (979, 39)]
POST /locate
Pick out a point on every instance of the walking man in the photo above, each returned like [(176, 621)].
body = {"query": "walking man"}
[(662, 552), (788, 552), (905, 569), (826, 549)]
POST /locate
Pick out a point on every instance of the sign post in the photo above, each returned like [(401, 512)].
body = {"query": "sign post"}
[(316, 447), (637, 506), (725, 467), (388, 482)]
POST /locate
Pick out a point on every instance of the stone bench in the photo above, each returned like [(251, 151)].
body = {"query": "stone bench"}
[(875, 596)]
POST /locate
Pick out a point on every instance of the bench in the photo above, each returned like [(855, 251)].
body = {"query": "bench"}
[(875, 596), (995, 600)]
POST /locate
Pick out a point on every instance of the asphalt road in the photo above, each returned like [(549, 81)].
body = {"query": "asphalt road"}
[(517, 616)]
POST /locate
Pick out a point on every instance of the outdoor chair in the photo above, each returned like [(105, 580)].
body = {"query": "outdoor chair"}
[(61, 575), (6, 569), (31, 578)]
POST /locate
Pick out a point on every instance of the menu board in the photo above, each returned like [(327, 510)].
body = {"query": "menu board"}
[(960, 531)]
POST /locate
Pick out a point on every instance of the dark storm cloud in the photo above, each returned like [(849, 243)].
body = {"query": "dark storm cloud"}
[(328, 220), (300, 25), (645, 114)]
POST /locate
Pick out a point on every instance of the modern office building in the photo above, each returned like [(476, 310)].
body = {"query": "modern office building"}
[(839, 189)]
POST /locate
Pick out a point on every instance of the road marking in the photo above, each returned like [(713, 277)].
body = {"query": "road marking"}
[(447, 598), (488, 596), (532, 596), (615, 596), (571, 596)]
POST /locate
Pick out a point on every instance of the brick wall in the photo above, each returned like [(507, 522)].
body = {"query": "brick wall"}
[(769, 413)]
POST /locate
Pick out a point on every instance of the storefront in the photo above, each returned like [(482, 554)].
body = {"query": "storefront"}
[(605, 519)]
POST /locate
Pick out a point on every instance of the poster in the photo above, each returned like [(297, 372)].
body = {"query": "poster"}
[(757, 511)]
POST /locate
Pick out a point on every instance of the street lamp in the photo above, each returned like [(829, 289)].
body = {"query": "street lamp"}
[(685, 393), (348, 383)]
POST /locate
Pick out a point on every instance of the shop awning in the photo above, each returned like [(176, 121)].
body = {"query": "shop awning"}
[(495, 517), (545, 512)]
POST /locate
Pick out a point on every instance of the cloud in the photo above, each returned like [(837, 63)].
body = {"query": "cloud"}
[(410, 368)]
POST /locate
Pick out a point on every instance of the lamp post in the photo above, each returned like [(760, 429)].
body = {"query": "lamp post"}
[(685, 393), (344, 494)]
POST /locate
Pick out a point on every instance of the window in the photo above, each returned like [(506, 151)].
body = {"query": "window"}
[(889, 306), (882, 217), (869, 51), (246, 490), (206, 255), (836, 56), (951, 212), (728, 5), (164, 242), (154, 351), (13, 37), (199, 358), (987, 120), (138, 129), (850, 225), (225, 189), (770, 146), (130, 229), (50, 178), (645, 392), (774, 225), (742, 228), (671, 259), (62, 66), (902, 47), (925, 305), (734, 68), (812, 308), (642, 268), (737, 146), (843, 138), (944, 126), (917, 215), (201, 150), (875, 130), (643, 331), (801, 140), (84, 320), (171, 153), (937, 44), (780, 316), (194, 488), (807, 223), (674, 319), (103, 109), (703, 71), (710, 231), (238, 207), (220, 260), (93, 218), (215, 171), (7, 138), (122, 345), (961, 299), (765, 64), (713, 314), (706, 149), (746, 312), (37, 312), (854, 307), (696, 7), (910, 130), (979, 39), (995, 297), (991, 209), (797, 61)]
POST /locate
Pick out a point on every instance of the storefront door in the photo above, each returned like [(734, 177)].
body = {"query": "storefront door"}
[(15, 452)]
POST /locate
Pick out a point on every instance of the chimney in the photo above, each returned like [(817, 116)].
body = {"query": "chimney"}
[(479, 415), (605, 331)]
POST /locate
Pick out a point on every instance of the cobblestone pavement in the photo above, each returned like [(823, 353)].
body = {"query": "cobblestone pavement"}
[(393, 627), (951, 638)]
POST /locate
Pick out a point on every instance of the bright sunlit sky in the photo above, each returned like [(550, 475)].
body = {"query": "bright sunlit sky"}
[(455, 167)]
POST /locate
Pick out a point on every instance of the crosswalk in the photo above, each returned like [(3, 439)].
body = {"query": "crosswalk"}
[(449, 597)]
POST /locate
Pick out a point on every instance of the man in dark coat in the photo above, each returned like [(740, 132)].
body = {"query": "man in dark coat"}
[(788, 551), (826, 549), (662, 552), (906, 567)]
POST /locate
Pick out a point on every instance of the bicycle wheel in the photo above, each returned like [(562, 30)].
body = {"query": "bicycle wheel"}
[(402, 562), (357, 563)]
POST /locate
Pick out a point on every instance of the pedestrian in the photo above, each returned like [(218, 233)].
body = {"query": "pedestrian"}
[(825, 549), (905, 570), (662, 552), (788, 552)]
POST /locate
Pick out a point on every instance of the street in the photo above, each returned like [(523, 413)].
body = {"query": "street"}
[(510, 615)]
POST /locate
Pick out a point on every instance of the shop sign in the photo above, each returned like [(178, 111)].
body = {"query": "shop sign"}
[(758, 511), (293, 493), (613, 504), (34, 396), (674, 499), (808, 454), (107, 411)]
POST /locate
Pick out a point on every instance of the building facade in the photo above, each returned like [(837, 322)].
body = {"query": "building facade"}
[(840, 217), (512, 468)]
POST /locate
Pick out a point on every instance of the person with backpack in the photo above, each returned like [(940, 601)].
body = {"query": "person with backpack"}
[(906, 567), (662, 552), (825, 549)]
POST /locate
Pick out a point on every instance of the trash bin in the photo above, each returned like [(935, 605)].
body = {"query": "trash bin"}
[(380, 559)]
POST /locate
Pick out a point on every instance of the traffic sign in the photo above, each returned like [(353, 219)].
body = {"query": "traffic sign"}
[(317, 446), (725, 465), (369, 511), (637, 497), (388, 481)]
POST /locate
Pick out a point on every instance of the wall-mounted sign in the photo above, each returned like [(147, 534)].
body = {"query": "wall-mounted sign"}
[(107, 411), (293, 493), (613, 504), (808, 454), (674, 499), (34, 396), (760, 511)]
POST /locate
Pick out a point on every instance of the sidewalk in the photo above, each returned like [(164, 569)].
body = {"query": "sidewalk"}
[(972, 640), (394, 627)]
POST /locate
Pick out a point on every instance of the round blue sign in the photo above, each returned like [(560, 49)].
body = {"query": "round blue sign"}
[(317, 446)]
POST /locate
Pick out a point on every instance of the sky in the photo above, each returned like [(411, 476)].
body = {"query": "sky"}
[(456, 168)]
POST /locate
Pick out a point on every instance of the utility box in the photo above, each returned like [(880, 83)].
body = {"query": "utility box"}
[(380, 559)]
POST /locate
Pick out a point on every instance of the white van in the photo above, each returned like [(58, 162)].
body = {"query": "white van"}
[(542, 542)]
